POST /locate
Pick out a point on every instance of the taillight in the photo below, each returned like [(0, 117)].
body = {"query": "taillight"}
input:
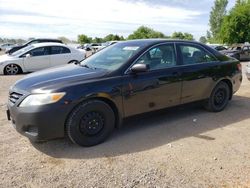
[(239, 66)]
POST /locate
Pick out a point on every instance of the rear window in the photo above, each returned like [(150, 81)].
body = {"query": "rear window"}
[(59, 50)]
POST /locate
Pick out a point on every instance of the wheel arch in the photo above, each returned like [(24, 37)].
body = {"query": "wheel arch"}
[(71, 61)]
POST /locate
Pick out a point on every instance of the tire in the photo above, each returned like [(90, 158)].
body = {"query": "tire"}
[(73, 61), (90, 123), (219, 98), (12, 69)]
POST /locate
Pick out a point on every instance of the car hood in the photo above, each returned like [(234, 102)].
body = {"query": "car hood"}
[(6, 57), (56, 78)]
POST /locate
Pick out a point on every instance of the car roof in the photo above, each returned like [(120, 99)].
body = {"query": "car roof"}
[(49, 44), (148, 42), (45, 39)]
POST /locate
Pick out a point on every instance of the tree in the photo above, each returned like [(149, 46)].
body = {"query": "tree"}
[(145, 32), (97, 40), (111, 37), (203, 39), (180, 35), (216, 17), (84, 39), (236, 25), (64, 40)]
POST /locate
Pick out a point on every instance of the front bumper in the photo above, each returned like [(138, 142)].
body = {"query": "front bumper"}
[(1, 69), (39, 123)]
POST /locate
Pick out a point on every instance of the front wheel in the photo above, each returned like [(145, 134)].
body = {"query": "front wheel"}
[(90, 123), (12, 69), (219, 98)]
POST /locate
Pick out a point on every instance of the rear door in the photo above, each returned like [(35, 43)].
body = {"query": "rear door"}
[(39, 59), (198, 69), (159, 87), (60, 55)]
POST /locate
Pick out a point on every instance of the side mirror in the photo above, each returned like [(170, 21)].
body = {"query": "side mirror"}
[(27, 55), (137, 68)]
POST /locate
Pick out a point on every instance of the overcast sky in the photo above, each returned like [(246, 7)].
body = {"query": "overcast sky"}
[(97, 18)]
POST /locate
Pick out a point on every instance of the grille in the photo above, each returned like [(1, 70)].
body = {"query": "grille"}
[(13, 97)]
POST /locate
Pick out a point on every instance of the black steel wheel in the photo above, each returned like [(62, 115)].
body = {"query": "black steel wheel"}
[(219, 98), (90, 123)]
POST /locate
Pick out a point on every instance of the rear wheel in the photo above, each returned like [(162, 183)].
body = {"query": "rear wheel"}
[(12, 69), (219, 98), (74, 62), (90, 123)]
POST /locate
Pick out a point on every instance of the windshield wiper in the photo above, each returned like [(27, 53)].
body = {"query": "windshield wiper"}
[(87, 66)]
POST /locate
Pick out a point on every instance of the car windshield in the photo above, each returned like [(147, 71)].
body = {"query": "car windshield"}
[(112, 57), (22, 50)]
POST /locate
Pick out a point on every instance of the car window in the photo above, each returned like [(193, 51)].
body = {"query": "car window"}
[(160, 57), (65, 50), (39, 51), (59, 50), (113, 57), (192, 55)]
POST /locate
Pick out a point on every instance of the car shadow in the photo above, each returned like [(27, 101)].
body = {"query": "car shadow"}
[(153, 130)]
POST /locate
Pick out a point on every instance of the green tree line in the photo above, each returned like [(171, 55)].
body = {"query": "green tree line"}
[(142, 32), (229, 27)]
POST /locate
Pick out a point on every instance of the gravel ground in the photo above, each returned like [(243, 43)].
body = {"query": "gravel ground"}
[(179, 147)]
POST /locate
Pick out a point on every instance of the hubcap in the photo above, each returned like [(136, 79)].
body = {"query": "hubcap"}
[(91, 123), (12, 69), (219, 97)]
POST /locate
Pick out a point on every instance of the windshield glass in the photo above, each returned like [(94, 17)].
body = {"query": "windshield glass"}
[(112, 57), (22, 50)]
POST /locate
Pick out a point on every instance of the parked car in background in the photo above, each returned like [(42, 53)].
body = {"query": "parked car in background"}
[(5, 46), (109, 43), (91, 47), (217, 47), (239, 51), (88, 100), (248, 71), (34, 41), (39, 56)]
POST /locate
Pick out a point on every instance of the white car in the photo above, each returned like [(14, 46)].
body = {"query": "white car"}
[(6, 46), (39, 56)]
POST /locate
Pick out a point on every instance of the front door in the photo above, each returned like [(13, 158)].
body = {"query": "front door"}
[(159, 87), (38, 58)]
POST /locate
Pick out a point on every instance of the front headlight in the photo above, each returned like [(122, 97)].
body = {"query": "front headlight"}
[(41, 99)]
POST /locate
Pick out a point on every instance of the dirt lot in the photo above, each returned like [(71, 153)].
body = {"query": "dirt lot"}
[(180, 147)]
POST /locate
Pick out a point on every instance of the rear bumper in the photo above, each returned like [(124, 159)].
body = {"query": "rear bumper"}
[(236, 81), (39, 123)]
